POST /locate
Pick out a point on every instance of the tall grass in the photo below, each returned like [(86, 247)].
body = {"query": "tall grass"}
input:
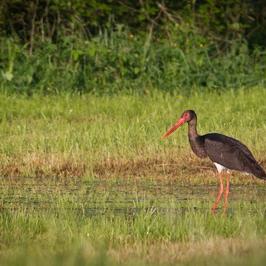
[(73, 135), (116, 60)]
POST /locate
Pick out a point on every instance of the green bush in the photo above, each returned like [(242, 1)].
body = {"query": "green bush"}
[(117, 60), (111, 46)]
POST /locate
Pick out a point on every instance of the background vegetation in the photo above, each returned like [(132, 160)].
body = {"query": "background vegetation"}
[(111, 46)]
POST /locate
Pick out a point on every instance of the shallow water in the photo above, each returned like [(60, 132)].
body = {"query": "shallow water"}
[(120, 196)]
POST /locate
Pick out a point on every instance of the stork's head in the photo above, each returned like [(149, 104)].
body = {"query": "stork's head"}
[(187, 116)]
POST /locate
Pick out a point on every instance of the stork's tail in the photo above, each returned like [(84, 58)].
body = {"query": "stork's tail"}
[(259, 172)]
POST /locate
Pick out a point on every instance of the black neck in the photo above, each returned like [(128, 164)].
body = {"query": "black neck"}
[(192, 129), (196, 141)]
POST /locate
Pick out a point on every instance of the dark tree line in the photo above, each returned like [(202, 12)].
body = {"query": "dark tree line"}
[(221, 20)]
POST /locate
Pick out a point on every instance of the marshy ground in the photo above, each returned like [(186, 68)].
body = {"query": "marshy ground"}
[(85, 180)]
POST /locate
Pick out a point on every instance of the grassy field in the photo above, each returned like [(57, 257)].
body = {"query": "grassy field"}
[(86, 180)]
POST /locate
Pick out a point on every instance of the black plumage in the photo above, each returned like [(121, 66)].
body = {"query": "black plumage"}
[(232, 154), (221, 149), (225, 152)]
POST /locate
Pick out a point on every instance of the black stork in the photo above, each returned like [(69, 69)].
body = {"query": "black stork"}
[(225, 152)]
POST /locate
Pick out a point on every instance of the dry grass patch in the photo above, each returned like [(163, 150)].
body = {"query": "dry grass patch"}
[(155, 166), (186, 169), (41, 166)]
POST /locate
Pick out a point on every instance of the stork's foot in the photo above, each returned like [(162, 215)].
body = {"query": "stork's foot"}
[(213, 209)]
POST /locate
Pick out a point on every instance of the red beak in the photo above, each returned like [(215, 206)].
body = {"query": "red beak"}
[(179, 123)]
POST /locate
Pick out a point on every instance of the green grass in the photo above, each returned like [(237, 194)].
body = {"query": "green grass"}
[(78, 225), (86, 180), (45, 134)]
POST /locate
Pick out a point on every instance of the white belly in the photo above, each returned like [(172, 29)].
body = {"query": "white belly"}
[(220, 167)]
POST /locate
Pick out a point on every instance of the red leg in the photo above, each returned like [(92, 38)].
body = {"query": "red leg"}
[(226, 192), (220, 193)]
